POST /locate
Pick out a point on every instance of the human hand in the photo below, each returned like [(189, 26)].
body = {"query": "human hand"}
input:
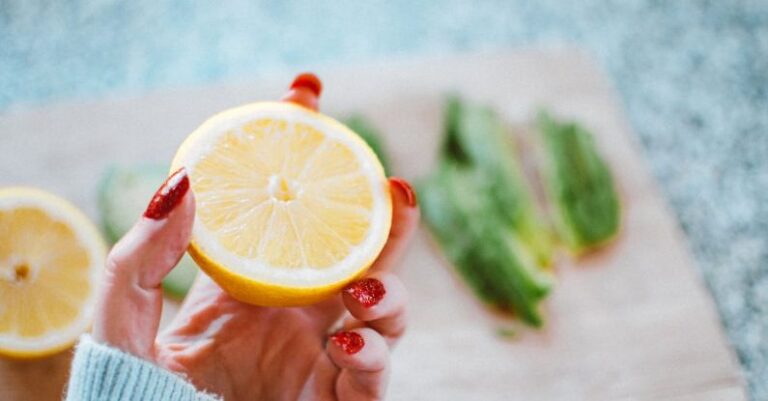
[(246, 352)]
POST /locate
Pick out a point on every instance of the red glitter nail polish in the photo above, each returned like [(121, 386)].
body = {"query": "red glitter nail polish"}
[(406, 188), (367, 292), (168, 196), (305, 91), (349, 341), (310, 81)]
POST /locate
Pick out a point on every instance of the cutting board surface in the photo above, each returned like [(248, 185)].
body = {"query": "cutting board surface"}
[(631, 322)]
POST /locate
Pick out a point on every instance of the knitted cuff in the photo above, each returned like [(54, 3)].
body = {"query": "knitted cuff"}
[(100, 372)]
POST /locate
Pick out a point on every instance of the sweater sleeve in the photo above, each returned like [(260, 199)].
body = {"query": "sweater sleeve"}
[(100, 372)]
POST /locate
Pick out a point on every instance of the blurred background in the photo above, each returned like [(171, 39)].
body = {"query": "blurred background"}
[(692, 74)]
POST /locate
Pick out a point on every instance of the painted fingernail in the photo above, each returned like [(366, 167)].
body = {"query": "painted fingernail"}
[(308, 80), (349, 341), (367, 292), (406, 188), (168, 196), (305, 91)]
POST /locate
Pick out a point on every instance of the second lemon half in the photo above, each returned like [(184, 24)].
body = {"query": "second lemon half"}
[(291, 204)]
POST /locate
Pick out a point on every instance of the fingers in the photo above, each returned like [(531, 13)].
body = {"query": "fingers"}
[(363, 357), (362, 353), (128, 313), (405, 221), (379, 302)]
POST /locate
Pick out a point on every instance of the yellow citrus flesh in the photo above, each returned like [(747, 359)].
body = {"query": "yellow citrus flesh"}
[(291, 204), (51, 258)]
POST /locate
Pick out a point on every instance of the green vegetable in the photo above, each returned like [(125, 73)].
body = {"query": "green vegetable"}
[(579, 185), (475, 137), (507, 333), (363, 127), (480, 211), (178, 282), (489, 255), (123, 195)]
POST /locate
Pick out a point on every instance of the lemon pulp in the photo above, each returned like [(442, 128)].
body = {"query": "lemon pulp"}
[(50, 261), (290, 204)]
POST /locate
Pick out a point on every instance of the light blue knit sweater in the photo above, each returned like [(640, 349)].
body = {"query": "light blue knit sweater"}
[(102, 373)]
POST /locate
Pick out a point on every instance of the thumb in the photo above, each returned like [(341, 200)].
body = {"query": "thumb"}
[(130, 304)]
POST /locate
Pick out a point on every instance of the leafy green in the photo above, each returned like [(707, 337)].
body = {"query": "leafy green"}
[(475, 137), (480, 211), (486, 253), (579, 184)]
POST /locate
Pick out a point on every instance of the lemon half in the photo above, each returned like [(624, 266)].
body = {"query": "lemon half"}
[(51, 261), (291, 204)]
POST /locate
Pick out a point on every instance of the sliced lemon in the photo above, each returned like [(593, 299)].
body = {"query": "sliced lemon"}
[(291, 204), (51, 259)]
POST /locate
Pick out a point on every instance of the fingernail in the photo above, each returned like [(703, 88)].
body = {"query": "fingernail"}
[(308, 80), (305, 91), (349, 341), (367, 292), (168, 196), (406, 188)]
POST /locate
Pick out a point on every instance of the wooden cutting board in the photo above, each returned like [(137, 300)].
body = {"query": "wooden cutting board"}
[(631, 323)]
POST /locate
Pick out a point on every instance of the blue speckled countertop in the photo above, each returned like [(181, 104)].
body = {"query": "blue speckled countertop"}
[(693, 75)]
